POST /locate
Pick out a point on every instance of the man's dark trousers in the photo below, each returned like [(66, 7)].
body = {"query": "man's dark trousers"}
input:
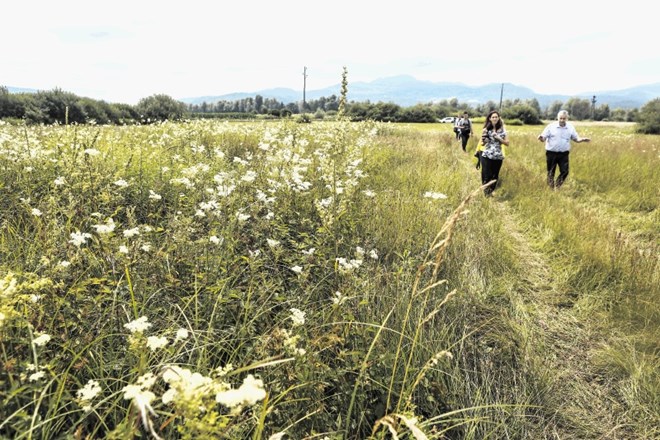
[(556, 159)]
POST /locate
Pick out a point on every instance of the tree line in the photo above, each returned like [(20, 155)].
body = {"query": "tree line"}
[(61, 107)]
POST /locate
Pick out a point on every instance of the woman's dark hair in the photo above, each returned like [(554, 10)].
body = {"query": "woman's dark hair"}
[(489, 125)]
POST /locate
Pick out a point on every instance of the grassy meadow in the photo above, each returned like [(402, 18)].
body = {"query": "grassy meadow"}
[(332, 280)]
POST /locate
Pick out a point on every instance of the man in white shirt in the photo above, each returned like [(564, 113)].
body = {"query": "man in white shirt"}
[(557, 137)]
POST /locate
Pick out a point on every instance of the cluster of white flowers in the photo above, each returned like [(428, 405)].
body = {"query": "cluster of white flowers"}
[(79, 238), (156, 342), (106, 228), (141, 396), (138, 325), (185, 385), (346, 266), (297, 317), (129, 233), (87, 393), (41, 340), (250, 392)]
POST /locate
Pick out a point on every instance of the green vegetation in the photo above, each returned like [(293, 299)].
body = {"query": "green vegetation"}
[(649, 117), (331, 280), (59, 107)]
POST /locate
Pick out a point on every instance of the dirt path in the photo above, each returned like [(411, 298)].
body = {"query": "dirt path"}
[(583, 400)]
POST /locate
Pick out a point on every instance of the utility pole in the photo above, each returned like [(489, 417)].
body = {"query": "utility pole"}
[(593, 108), (304, 87), (501, 95)]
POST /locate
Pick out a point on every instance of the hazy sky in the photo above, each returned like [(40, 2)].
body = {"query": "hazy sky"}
[(122, 51)]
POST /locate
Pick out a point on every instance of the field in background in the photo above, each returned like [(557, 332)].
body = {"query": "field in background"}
[(330, 280)]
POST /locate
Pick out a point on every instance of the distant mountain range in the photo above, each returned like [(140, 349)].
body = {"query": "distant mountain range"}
[(406, 91)]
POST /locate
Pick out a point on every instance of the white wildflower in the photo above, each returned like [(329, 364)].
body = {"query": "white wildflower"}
[(181, 334), (242, 217), (41, 340), (123, 249), (79, 238), (272, 243), (92, 152), (156, 342), (138, 325), (185, 385), (142, 399), (121, 183), (128, 233), (60, 181), (297, 269), (249, 176), (154, 196), (297, 316), (107, 228), (249, 393), (37, 376), (87, 393), (36, 212)]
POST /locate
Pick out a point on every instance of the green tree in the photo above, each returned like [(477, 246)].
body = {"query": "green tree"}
[(534, 103), (11, 105), (579, 109), (384, 112), (525, 113), (161, 108), (648, 118), (602, 112), (417, 113)]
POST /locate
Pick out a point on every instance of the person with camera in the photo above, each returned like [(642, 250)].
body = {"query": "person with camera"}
[(490, 151), (557, 137)]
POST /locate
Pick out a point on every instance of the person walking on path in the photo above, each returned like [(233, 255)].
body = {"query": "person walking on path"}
[(457, 128), (464, 125), (557, 137), (490, 150)]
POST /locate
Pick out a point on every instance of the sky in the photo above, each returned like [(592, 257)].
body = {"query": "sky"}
[(123, 51)]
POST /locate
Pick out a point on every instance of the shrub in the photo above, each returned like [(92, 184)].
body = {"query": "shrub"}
[(648, 118)]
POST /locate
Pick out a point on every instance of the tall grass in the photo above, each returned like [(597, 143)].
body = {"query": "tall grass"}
[(328, 280)]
